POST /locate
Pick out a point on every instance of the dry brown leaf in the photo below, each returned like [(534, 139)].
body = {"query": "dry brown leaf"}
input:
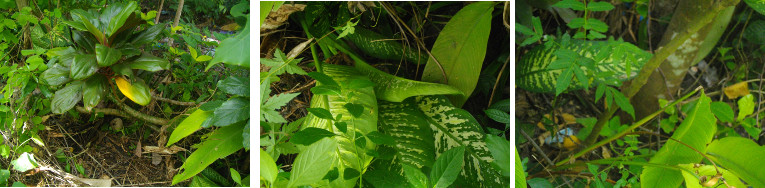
[(737, 90), (606, 153), (298, 49), (231, 27), (96, 182), (278, 17), (568, 118), (162, 150)]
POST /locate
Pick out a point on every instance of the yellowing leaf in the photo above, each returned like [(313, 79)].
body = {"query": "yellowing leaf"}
[(137, 92), (737, 90), (570, 142), (568, 118)]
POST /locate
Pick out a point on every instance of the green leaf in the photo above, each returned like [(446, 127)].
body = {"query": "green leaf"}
[(116, 15), (234, 110), (93, 91), (498, 115), (455, 127), (219, 144), (83, 66), (354, 109), (692, 180), (235, 176), (564, 80), (4, 175), (18, 184), (350, 155), (148, 35), (268, 169), (267, 110), (246, 136), (56, 75), (350, 173), (25, 162), (313, 163), (739, 155), (572, 4), (461, 52), (745, 106), (65, 98), (757, 5), (447, 167), (332, 175), (188, 126), (396, 89), (622, 102), (146, 62), (415, 177), (106, 56), (380, 138), (520, 175), (321, 113), (697, 130), (235, 85), (599, 6), (137, 92), (722, 111), (410, 130), (321, 78), (358, 84), (211, 105), (325, 90), (234, 50), (310, 135), (280, 64), (500, 150)]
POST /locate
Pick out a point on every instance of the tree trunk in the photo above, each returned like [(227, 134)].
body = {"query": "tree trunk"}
[(159, 12), (665, 81), (178, 13)]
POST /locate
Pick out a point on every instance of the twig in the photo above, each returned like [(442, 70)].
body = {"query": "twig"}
[(497, 81), (547, 159), (171, 101), (301, 87), (112, 112)]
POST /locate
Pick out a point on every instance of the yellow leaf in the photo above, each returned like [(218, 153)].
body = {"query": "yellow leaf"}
[(737, 90), (568, 118), (571, 142), (137, 93)]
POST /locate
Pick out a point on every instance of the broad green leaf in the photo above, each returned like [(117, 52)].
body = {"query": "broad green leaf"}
[(65, 98), (234, 50), (235, 176), (4, 175), (599, 6), (137, 92), (192, 51), (757, 5), (84, 41), (322, 78), (350, 155), (188, 126), (415, 177), (396, 89), (572, 4), (520, 175), (246, 136), (411, 131), (500, 150), (354, 109), (461, 52), (387, 174), (447, 167), (691, 180), (350, 173), (203, 58), (221, 143), (268, 169), (106, 56), (83, 66), (564, 81), (379, 138), (56, 75), (85, 19), (310, 135), (313, 163), (356, 84), (739, 155), (722, 111), (116, 15), (147, 62), (321, 113), (455, 127), (235, 85), (697, 130), (498, 115), (93, 91), (232, 111), (26, 161), (325, 90), (745, 106), (148, 35)]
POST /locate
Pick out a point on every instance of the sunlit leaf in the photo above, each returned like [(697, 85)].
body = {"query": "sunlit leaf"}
[(221, 143), (313, 163), (138, 92), (232, 111), (188, 126), (739, 156), (234, 50)]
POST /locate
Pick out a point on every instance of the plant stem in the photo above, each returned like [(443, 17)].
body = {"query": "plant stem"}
[(661, 54), (624, 132)]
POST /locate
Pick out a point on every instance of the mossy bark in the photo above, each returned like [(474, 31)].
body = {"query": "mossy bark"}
[(665, 81)]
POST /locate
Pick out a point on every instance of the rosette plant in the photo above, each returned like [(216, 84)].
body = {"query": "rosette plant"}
[(105, 53)]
